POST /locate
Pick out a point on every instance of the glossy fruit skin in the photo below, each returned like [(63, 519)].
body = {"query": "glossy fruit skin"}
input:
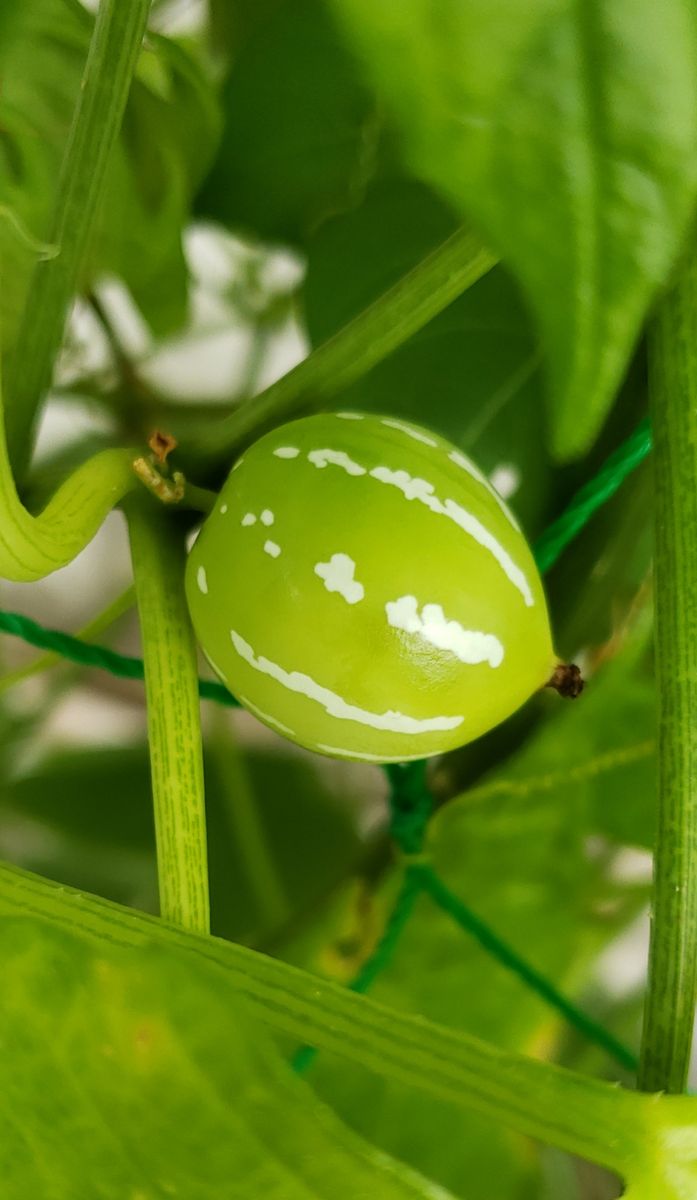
[(362, 589)]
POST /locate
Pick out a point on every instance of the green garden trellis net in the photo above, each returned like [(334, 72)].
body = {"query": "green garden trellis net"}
[(410, 801)]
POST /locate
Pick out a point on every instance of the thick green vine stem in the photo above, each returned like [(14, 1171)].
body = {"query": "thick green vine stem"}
[(670, 1002), (366, 340), (111, 61), (174, 727)]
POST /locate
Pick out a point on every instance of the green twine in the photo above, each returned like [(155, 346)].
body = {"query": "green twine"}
[(593, 495), (410, 806), (503, 953), (410, 800), (123, 666), (383, 955)]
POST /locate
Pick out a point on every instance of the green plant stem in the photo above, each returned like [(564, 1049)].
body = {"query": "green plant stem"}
[(245, 824), (366, 340), (94, 629), (174, 727), (111, 61), (670, 1002), (604, 1123)]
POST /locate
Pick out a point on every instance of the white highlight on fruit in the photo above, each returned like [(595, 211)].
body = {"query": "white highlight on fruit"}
[(416, 434), (286, 452), (202, 581), (336, 706), (461, 460), (322, 458), (267, 517), (420, 489), (348, 416), (505, 479), (338, 575), (223, 509), (272, 548), (469, 645), (363, 757), (266, 717), (248, 519)]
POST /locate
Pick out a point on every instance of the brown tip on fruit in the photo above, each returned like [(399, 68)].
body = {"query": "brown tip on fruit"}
[(161, 445), (567, 680)]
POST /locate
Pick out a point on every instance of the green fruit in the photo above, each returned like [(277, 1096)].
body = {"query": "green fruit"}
[(362, 588)]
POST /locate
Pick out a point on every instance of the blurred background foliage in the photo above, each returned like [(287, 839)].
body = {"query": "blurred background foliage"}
[(267, 187)]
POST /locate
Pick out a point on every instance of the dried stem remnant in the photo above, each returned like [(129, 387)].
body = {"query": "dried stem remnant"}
[(567, 680)]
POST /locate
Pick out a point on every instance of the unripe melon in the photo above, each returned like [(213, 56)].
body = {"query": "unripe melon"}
[(361, 588)]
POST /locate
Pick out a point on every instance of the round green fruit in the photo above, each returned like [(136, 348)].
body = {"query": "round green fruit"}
[(362, 588)]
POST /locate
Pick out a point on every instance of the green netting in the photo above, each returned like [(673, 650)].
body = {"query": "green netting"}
[(410, 800)]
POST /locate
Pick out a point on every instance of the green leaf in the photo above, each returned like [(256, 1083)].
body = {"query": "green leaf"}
[(165, 145), (167, 141), (41, 61), (305, 820), (85, 817), (604, 1123), (447, 1145), (300, 126), (590, 764), (129, 1072), (568, 133), (471, 373)]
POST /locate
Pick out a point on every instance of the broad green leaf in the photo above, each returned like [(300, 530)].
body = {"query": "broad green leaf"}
[(591, 761), (300, 127), (168, 138), (472, 372), (568, 133), (306, 823), (607, 1124), (130, 1073), (165, 145), (232, 22), (85, 817), (41, 63)]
